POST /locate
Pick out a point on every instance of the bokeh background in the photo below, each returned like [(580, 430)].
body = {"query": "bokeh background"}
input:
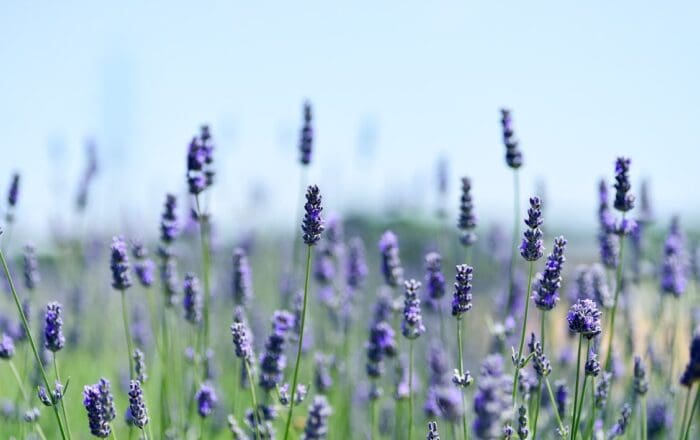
[(395, 87)]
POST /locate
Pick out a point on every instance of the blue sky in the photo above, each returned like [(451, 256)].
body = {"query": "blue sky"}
[(395, 85)]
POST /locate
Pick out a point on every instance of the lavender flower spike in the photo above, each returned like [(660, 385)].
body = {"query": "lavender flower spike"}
[(168, 221), (433, 433), (674, 266), (99, 424), (317, 421), (434, 279), (241, 341), (242, 285), (192, 299), (274, 361), (412, 326), (391, 262), (312, 225), (7, 347), (462, 300), (548, 283), (306, 137), (137, 405), (531, 248), (467, 218), (206, 400), (623, 200), (31, 268), (692, 370), (53, 328), (143, 266), (13, 193), (584, 318), (120, 264), (514, 158), (357, 264)]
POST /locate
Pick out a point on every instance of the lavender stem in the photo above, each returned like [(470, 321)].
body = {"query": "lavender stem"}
[(578, 370), (522, 332), (618, 288), (127, 333)]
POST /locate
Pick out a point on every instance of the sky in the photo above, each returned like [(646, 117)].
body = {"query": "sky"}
[(395, 86)]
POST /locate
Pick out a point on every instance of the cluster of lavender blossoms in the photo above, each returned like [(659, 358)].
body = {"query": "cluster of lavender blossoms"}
[(306, 136), (99, 404), (143, 266), (241, 283), (546, 295), (53, 327), (467, 218), (412, 326), (312, 225), (434, 280), (391, 262), (531, 248), (514, 157), (200, 158), (273, 361), (674, 266), (121, 280)]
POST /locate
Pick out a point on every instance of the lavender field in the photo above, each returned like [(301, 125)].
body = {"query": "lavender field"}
[(354, 326)]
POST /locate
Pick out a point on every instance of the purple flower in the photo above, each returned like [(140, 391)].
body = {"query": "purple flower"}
[(523, 432), (317, 420), (273, 361), (120, 264), (137, 405), (602, 390), (7, 347), (623, 200), (514, 158), (434, 280), (381, 344), (31, 268), (241, 341), (206, 400), (96, 412), (433, 433), (13, 193), (467, 218), (143, 266), (584, 318), (620, 427), (660, 419), (242, 285), (200, 174), (540, 363), (561, 396), (312, 225), (445, 403), (492, 399), (531, 248), (548, 283), (168, 220), (192, 299), (462, 299), (412, 326), (391, 262), (641, 385), (692, 370), (674, 266), (306, 136), (357, 264), (592, 366), (140, 365), (53, 327), (322, 375)]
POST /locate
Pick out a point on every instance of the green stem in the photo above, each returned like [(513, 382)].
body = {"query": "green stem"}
[(643, 403), (580, 405), (589, 427), (522, 333), (578, 369), (553, 402), (516, 235), (114, 434), (461, 371), (63, 406), (373, 418), (17, 378), (256, 416), (25, 325), (301, 339), (410, 389), (204, 238), (692, 412), (537, 408), (127, 334), (618, 288), (685, 412)]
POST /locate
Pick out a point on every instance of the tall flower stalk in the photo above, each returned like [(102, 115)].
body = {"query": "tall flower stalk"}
[(411, 328), (25, 326), (624, 202), (121, 281), (514, 160), (531, 249), (312, 227), (462, 303)]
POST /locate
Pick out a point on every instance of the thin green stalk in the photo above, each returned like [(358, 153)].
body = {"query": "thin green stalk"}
[(674, 333), (685, 412), (516, 234), (461, 371), (256, 416), (301, 339), (204, 237), (553, 402), (410, 389), (578, 370), (643, 403), (522, 332), (618, 288), (25, 325), (17, 378), (692, 412), (165, 392), (373, 418), (543, 316), (583, 393), (127, 334), (63, 406), (114, 434), (589, 427)]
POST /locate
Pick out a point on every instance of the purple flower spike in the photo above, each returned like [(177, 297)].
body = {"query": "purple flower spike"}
[(584, 318), (317, 421), (692, 370), (7, 347), (206, 400), (412, 326), (137, 405), (242, 284), (391, 262), (168, 221), (434, 279), (674, 267), (312, 225), (273, 361), (120, 264), (31, 268), (548, 283), (357, 263), (514, 158), (467, 218), (306, 137), (623, 200), (94, 405), (531, 248), (13, 193), (462, 300), (53, 328), (192, 299), (143, 266)]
